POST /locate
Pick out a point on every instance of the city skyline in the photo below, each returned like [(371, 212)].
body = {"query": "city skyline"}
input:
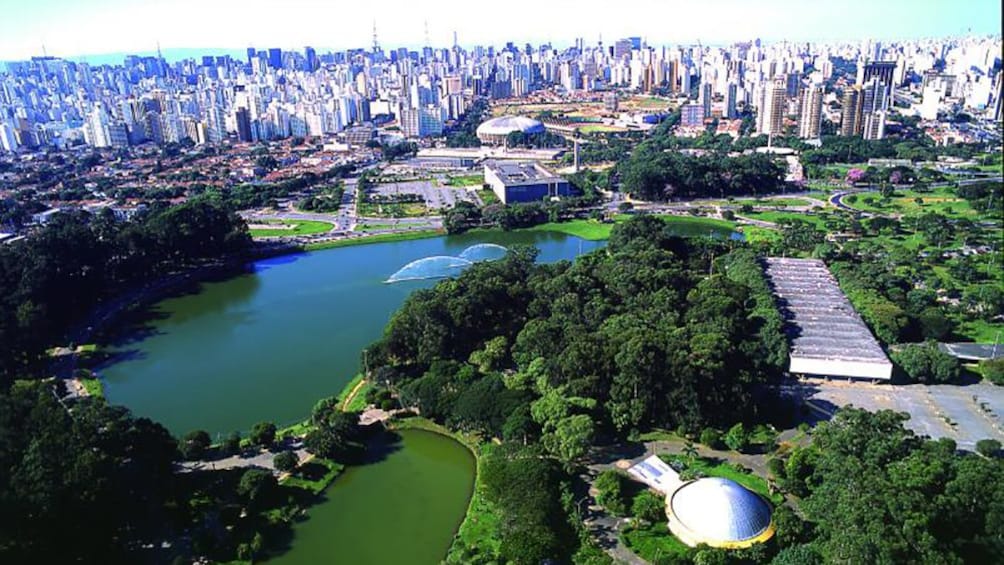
[(66, 29)]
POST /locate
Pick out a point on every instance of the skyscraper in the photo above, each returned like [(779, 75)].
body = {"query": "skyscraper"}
[(811, 113), (731, 93), (243, 118), (311, 57), (705, 99), (882, 70), (770, 114), (850, 119), (874, 104), (275, 58)]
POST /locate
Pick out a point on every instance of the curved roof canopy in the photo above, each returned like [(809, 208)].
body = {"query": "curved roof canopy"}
[(505, 125), (720, 512)]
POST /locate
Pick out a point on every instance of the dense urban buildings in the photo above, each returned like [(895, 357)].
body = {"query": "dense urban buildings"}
[(277, 93)]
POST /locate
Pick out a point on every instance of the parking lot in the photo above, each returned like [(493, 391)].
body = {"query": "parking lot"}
[(965, 414), (436, 197)]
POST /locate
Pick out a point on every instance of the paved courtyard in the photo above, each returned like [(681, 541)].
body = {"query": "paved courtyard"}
[(965, 414)]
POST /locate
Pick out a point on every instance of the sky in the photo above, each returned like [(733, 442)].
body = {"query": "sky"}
[(69, 28)]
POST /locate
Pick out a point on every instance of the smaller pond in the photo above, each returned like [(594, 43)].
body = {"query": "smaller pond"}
[(404, 507)]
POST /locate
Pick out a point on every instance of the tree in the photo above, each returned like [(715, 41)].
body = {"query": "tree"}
[(286, 461), (257, 488), (926, 363), (711, 438), (263, 434), (232, 444), (610, 492), (737, 438), (194, 445), (571, 437), (988, 447), (993, 370), (649, 507)]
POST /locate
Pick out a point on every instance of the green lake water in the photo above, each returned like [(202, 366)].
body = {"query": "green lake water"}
[(403, 509), (268, 344)]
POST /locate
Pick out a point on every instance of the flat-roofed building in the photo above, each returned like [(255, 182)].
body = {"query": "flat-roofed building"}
[(827, 336), (522, 181)]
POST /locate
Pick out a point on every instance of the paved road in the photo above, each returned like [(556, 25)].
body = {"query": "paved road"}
[(261, 458)]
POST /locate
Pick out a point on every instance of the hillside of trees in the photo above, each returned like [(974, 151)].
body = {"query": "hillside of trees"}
[(57, 275)]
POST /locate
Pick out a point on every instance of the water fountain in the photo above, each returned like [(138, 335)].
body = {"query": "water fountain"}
[(442, 266)]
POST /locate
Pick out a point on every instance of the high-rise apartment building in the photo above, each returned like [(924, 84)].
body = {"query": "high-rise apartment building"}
[(850, 119), (810, 113), (704, 99), (731, 93), (770, 114)]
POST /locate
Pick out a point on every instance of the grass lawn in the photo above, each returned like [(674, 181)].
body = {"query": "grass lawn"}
[(599, 128), (300, 227), (358, 402), (466, 180), (590, 230), (378, 238), (715, 468), (756, 234), (488, 197), (816, 220), (653, 542), (393, 210), (383, 226), (315, 475), (480, 526), (982, 331), (942, 201), (777, 202), (593, 230), (93, 387)]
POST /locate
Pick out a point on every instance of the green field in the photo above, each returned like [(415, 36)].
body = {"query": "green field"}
[(593, 230), (590, 230), (299, 227), (93, 387), (942, 201), (466, 180), (378, 238), (599, 128), (384, 226), (392, 210), (816, 220), (488, 197)]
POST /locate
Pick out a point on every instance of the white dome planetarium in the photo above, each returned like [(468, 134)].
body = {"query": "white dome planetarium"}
[(719, 513), (495, 130)]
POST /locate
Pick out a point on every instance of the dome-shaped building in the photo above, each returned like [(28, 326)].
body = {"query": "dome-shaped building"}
[(718, 512), (495, 130)]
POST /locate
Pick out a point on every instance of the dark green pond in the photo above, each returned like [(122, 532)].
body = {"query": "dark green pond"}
[(402, 509), (268, 344)]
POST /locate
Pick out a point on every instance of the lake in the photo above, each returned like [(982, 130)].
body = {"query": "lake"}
[(268, 344), (403, 508)]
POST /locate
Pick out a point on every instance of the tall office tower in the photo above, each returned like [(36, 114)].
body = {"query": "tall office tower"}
[(731, 93), (251, 55), (793, 85), (311, 56), (811, 113), (622, 48), (275, 58), (705, 99), (243, 118), (96, 128), (770, 114), (873, 109), (850, 120), (216, 130), (883, 70), (673, 75)]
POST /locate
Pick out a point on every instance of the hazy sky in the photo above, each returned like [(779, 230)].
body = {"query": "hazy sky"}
[(76, 27)]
